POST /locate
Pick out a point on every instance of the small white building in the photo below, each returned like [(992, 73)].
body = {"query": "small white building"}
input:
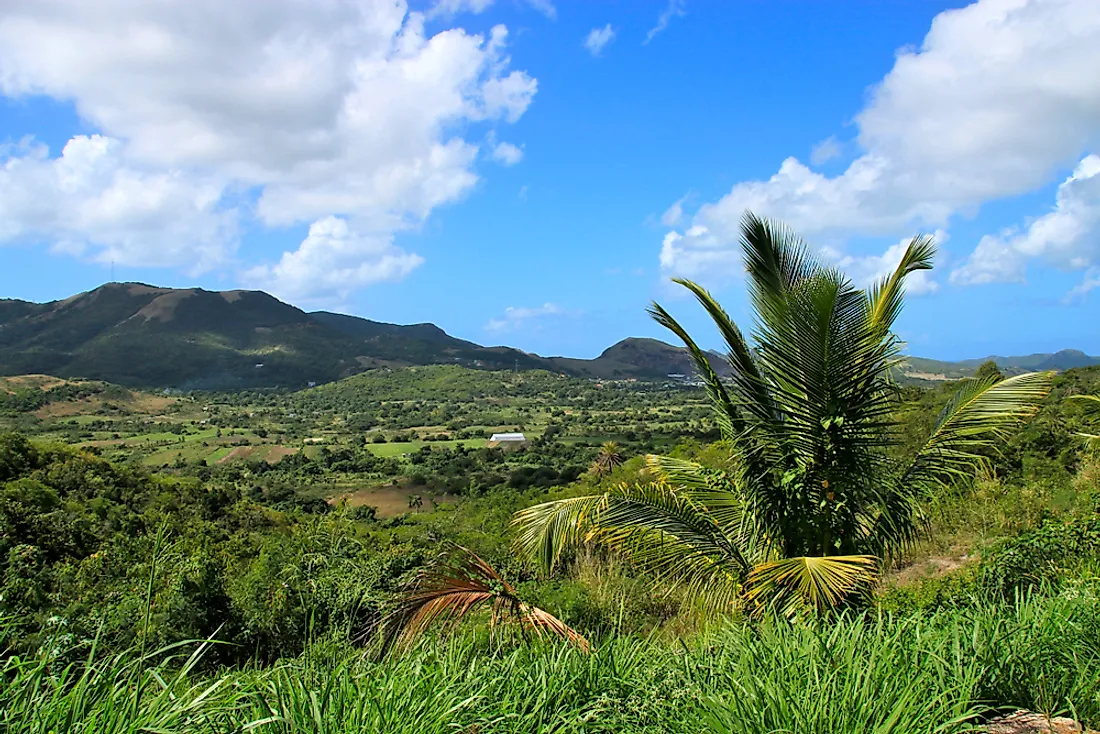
[(507, 440)]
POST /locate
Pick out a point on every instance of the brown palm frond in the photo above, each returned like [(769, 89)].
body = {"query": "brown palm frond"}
[(449, 591)]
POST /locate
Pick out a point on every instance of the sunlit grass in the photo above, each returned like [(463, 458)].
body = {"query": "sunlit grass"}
[(941, 673)]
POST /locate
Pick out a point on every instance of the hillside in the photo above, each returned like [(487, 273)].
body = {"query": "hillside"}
[(143, 336), (139, 335)]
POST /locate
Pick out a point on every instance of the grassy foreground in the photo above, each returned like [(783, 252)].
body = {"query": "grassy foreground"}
[(936, 673)]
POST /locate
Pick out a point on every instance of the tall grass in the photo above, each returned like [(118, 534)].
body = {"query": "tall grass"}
[(922, 674)]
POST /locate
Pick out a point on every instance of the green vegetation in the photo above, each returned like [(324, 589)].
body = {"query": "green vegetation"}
[(340, 558), (813, 496), (940, 673)]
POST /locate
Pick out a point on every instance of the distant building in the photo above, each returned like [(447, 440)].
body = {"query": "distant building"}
[(676, 376), (507, 440)]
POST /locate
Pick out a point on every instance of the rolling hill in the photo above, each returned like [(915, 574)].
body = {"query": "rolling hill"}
[(142, 336)]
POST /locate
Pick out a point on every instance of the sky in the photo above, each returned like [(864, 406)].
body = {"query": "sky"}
[(533, 172)]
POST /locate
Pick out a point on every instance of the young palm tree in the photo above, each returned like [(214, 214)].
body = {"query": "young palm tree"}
[(607, 459), (810, 499)]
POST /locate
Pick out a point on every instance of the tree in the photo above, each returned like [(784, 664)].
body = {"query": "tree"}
[(809, 500), (607, 459), (988, 371), (415, 502)]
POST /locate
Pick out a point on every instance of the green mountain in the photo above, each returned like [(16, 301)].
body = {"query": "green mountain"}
[(139, 335)]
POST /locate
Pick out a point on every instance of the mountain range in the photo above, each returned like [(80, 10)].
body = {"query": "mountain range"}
[(140, 335)]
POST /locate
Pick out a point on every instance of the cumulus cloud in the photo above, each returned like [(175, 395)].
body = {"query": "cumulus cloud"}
[(1068, 236), (507, 154), (334, 259), (991, 105), (598, 38), (674, 9), (315, 110), (90, 201), (518, 317)]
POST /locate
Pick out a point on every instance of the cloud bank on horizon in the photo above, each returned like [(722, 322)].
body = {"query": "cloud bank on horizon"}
[(992, 105)]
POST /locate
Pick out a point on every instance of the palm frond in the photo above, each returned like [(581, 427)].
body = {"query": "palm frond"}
[(547, 529), (730, 421), (1095, 399), (752, 389), (450, 590), (978, 415), (714, 490), (776, 262), (794, 586), (886, 297), (660, 514)]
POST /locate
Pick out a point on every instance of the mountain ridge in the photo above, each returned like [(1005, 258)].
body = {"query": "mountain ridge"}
[(141, 335)]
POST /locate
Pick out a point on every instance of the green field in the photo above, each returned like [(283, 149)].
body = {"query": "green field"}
[(407, 447)]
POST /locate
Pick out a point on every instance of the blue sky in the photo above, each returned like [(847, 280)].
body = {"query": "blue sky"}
[(531, 173)]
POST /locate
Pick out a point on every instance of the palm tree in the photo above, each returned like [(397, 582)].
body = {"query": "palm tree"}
[(810, 500), (607, 459), (452, 589), (415, 502)]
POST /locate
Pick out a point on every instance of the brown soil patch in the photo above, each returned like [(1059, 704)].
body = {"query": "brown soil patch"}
[(275, 454), (391, 501), (238, 454), (1026, 722), (933, 567)]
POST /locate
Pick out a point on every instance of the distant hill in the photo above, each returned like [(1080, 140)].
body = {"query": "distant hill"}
[(142, 336), (1058, 361), (638, 358)]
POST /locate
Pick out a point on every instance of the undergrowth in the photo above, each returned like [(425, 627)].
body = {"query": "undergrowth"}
[(939, 672)]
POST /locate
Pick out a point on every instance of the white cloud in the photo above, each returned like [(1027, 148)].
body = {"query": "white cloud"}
[(316, 109), (674, 9), (546, 7), (507, 154), (516, 318), (598, 38), (91, 201), (991, 105), (1079, 292), (825, 151), (869, 269), (447, 8), (333, 260), (1068, 236), (674, 214)]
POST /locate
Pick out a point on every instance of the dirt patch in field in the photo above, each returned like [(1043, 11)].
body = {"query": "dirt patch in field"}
[(238, 454), (275, 454), (933, 567), (391, 501)]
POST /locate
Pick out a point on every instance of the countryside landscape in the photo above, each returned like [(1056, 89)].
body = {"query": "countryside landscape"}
[(832, 468)]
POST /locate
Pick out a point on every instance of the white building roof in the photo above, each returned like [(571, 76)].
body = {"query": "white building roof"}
[(508, 437)]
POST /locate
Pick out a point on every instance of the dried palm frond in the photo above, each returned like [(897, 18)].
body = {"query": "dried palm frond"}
[(452, 589)]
